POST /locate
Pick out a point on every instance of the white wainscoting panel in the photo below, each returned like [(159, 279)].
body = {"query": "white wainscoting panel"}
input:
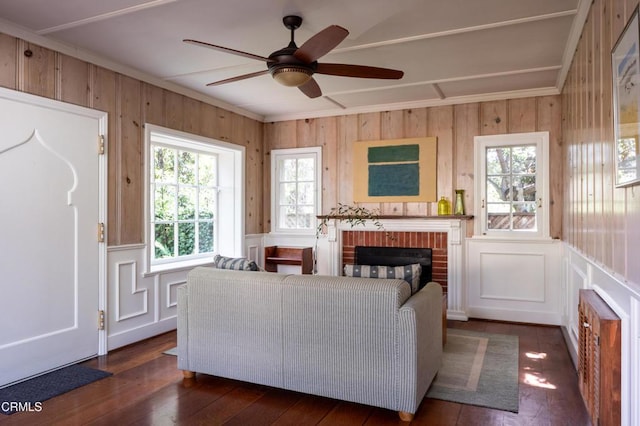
[(634, 354), (168, 284), (576, 279), (130, 301), (139, 306), (514, 280), (624, 299), (512, 276)]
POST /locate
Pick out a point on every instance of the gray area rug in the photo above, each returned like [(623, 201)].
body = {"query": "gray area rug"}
[(172, 351), (478, 369)]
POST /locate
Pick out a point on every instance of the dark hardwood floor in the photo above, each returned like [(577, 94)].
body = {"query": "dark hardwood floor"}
[(147, 389)]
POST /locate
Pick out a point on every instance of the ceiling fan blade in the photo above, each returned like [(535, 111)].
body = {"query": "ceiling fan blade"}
[(239, 77), (311, 89), (228, 50), (321, 43), (361, 71)]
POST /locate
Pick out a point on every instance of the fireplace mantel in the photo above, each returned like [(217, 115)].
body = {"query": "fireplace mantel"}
[(397, 217), (453, 226)]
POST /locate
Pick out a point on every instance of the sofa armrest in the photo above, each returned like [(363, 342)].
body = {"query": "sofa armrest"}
[(183, 328), (420, 345)]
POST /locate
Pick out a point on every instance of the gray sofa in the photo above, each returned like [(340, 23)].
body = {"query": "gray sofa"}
[(363, 340)]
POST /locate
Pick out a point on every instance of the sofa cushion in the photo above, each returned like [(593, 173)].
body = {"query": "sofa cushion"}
[(236, 263), (409, 273)]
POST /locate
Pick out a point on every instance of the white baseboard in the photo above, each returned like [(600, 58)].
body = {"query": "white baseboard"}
[(143, 332), (534, 317)]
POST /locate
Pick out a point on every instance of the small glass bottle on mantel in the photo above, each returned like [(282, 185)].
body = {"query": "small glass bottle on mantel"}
[(444, 206), (459, 202)]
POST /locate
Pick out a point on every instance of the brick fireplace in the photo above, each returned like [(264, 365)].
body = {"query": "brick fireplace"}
[(437, 241), (444, 235)]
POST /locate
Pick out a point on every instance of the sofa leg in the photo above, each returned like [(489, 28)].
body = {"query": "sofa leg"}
[(188, 374), (405, 417)]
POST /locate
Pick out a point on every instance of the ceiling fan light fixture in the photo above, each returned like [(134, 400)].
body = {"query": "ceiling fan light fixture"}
[(291, 76)]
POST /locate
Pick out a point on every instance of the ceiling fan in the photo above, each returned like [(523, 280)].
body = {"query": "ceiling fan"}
[(294, 66)]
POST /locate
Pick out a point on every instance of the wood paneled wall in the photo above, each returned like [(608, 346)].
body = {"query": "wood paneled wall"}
[(131, 103), (455, 127), (601, 221)]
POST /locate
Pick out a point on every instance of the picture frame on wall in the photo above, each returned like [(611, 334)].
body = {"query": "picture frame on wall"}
[(395, 170), (625, 62)]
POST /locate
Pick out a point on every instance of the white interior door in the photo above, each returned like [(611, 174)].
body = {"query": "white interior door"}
[(52, 197)]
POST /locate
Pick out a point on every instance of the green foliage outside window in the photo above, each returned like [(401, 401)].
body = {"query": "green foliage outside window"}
[(184, 196)]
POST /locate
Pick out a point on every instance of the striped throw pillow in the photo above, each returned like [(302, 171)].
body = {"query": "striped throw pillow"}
[(235, 263), (409, 273)]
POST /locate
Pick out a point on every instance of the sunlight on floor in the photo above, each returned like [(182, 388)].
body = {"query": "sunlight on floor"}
[(533, 379), (540, 382), (536, 355)]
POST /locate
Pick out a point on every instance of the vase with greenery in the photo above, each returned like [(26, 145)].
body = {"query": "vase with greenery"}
[(353, 215)]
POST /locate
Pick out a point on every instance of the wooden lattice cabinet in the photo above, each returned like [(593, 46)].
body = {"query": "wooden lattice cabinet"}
[(599, 359)]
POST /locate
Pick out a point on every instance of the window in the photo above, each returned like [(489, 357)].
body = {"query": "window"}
[(194, 198), (512, 185), (295, 185)]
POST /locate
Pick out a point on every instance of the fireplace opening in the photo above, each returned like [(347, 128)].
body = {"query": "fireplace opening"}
[(396, 256)]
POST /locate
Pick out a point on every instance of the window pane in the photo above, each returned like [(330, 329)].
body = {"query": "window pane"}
[(164, 240), (498, 161), (186, 203), (306, 193), (206, 170), (626, 159), (305, 217), (306, 170), (498, 189), (296, 189), (498, 216), (205, 236), (287, 170), (186, 238), (287, 193), (498, 221), (164, 161), (524, 188), (511, 192), (165, 202), (523, 159), (288, 217), (524, 216), (187, 167), (207, 204), (183, 198)]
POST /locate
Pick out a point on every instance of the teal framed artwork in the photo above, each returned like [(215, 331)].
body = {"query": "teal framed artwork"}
[(395, 170)]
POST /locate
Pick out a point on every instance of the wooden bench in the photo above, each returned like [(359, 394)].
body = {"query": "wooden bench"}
[(297, 256)]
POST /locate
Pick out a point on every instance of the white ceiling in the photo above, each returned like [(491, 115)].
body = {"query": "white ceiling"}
[(451, 51)]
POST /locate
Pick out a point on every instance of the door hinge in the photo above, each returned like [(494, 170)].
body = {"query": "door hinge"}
[(101, 145), (101, 319), (101, 232)]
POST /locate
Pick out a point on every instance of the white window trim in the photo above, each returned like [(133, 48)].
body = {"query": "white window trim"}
[(231, 196), (541, 140), (294, 152)]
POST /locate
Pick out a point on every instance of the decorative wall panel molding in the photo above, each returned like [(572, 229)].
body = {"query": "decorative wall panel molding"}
[(128, 295), (171, 295)]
